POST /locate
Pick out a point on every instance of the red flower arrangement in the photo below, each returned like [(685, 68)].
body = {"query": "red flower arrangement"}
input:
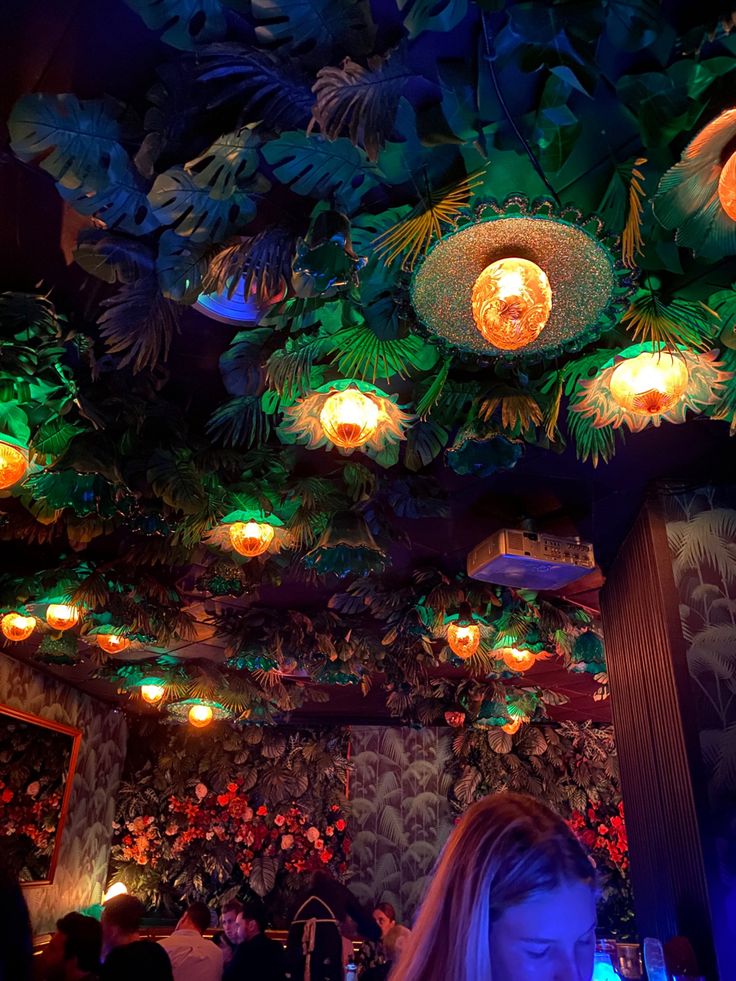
[(604, 835), (284, 833), (32, 812)]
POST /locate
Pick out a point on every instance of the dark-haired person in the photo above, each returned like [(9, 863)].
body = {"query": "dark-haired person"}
[(257, 957), (73, 953), (192, 957), (126, 956), (16, 939), (229, 939), (393, 934)]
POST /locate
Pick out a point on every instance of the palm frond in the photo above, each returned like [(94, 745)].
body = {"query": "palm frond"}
[(240, 422), (520, 411), (259, 264), (411, 237), (361, 100), (139, 324), (360, 353), (288, 369), (672, 323), (434, 392), (631, 240)]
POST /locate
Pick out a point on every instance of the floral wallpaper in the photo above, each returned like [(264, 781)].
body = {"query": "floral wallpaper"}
[(81, 872), (701, 530), (401, 814)]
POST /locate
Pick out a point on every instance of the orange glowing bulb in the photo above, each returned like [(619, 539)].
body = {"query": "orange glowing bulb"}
[(727, 187), (112, 643), (512, 727), (116, 889), (463, 639), (251, 537), (13, 464), (650, 383), (349, 418), (152, 693), (200, 716), (60, 616), (17, 627), (511, 303), (518, 659)]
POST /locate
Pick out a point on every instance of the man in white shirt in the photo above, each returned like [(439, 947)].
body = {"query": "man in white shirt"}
[(192, 957)]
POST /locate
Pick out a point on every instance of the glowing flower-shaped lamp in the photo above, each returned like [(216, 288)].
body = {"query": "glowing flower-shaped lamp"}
[(517, 659), (512, 727), (200, 716), (62, 616), (17, 627), (463, 634), (112, 643), (152, 693), (251, 538), (13, 462), (651, 383), (349, 418), (511, 302)]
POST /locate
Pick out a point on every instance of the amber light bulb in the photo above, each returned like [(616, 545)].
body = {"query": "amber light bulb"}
[(112, 643), (17, 627), (650, 383), (511, 303), (512, 727), (13, 464), (61, 616), (518, 660), (200, 716), (349, 418), (152, 693), (463, 639), (251, 537)]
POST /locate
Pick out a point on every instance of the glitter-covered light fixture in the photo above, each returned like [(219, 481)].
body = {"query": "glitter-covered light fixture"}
[(112, 643), (521, 280), (349, 415), (517, 659), (650, 383), (152, 693), (251, 538), (463, 633), (511, 303), (198, 712), (62, 616), (17, 627), (13, 461)]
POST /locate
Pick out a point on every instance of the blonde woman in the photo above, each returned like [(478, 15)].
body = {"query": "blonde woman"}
[(513, 897)]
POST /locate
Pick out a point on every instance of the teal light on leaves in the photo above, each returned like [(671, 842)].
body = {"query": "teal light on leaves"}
[(588, 654)]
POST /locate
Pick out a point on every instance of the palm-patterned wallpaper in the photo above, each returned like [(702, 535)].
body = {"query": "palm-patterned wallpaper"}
[(701, 529), (401, 812), (85, 845)]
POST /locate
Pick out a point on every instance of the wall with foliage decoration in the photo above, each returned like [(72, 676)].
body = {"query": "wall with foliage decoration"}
[(401, 812), (210, 814), (701, 530), (81, 871)]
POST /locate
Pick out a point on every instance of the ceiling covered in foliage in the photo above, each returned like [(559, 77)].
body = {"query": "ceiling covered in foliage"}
[(268, 375)]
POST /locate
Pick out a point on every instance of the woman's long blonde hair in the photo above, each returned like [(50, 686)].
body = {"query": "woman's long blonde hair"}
[(506, 848)]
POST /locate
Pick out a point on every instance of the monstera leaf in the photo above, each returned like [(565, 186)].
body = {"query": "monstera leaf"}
[(139, 324), (228, 164), (256, 82), (424, 442), (362, 101), (315, 28), (78, 140), (184, 23), (111, 257), (178, 200), (181, 266), (633, 24), (432, 15), (313, 165), (121, 205)]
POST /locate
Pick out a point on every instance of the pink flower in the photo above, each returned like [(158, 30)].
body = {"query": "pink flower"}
[(319, 844), (329, 831), (312, 834), (33, 788), (287, 841), (279, 820), (201, 791)]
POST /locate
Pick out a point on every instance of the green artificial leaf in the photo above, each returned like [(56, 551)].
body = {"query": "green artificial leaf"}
[(361, 101), (176, 480), (361, 353), (139, 324), (633, 24), (723, 303), (315, 29), (228, 164), (359, 480), (14, 421), (240, 422), (431, 15), (181, 266), (678, 321), (433, 392), (121, 204), (261, 86), (53, 437), (591, 443), (313, 165), (289, 369), (111, 257), (78, 140), (557, 127), (184, 23), (424, 442), (178, 200)]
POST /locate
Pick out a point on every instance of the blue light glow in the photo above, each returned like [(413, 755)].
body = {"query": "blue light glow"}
[(228, 310)]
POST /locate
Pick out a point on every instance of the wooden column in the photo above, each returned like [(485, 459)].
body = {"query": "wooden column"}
[(656, 735)]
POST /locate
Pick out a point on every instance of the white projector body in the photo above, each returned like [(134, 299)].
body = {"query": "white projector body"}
[(528, 560)]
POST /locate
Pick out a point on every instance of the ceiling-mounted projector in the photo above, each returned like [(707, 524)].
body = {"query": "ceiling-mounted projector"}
[(529, 560)]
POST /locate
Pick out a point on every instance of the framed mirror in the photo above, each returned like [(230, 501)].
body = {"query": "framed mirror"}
[(37, 763)]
